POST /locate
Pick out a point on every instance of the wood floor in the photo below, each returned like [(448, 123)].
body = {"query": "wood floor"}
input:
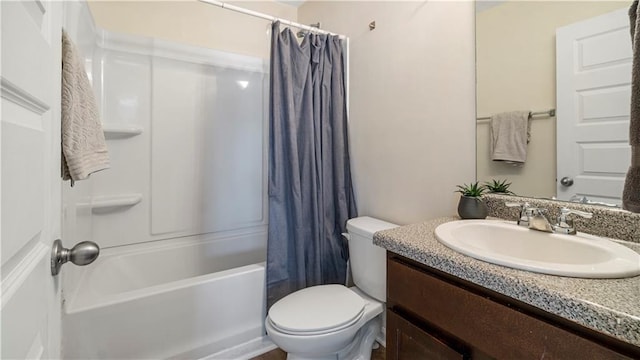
[(277, 354)]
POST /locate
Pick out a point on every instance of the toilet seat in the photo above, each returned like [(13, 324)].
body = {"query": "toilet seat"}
[(317, 310), (320, 332)]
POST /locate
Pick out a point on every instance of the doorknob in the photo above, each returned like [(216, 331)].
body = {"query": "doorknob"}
[(84, 253), (566, 181)]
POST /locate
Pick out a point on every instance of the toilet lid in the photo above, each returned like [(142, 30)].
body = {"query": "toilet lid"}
[(316, 309)]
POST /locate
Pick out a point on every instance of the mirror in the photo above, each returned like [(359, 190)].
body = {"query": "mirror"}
[(516, 70)]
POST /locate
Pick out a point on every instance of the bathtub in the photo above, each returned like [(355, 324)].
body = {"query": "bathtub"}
[(181, 300)]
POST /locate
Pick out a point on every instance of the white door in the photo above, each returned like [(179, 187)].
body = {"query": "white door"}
[(593, 75), (30, 184)]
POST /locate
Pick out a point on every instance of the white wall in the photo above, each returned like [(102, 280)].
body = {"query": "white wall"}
[(193, 22), (412, 109), (516, 71)]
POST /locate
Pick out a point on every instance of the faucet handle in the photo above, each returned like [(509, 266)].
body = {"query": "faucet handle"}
[(525, 211), (525, 207), (565, 211), (565, 225)]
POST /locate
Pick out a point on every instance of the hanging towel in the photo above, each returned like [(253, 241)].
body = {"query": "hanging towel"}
[(510, 136), (84, 150), (631, 191)]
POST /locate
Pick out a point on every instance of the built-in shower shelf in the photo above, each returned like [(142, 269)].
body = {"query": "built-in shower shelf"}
[(114, 131), (102, 204)]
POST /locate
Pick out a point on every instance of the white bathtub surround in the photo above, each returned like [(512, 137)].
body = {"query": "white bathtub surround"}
[(177, 117), (181, 273), (144, 303)]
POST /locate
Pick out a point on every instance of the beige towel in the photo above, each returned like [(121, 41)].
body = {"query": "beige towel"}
[(84, 150), (510, 136)]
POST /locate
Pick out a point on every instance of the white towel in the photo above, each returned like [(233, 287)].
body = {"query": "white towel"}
[(84, 150), (510, 136)]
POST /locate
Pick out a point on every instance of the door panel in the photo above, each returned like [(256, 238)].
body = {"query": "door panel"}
[(22, 182), (24, 307), (593, 73), (30, 178)]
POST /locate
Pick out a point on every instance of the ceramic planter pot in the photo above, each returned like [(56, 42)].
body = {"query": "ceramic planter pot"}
[(472, 208)]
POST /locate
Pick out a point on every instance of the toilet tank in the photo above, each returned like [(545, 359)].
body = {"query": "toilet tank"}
[(368, 261)]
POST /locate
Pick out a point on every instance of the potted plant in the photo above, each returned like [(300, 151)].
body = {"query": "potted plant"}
[(498, 187), (471, 205)]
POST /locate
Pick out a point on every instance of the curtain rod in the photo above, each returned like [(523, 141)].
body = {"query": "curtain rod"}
[(548, 113), (268, 17)]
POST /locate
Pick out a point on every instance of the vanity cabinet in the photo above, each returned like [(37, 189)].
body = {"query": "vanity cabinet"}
[(413, 342), (434, 315)]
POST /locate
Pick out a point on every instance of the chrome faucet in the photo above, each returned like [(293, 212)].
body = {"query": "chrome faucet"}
[(564, 225), (532, 217), (524, 212), (539, 220), (584, 200), (536, 219)]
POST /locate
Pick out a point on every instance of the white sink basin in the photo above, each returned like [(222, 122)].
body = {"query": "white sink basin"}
[(507, 244)]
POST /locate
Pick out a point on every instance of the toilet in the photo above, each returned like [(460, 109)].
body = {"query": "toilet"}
[(334, 321)]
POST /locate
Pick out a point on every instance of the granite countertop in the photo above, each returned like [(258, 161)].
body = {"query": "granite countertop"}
[(611, 306)]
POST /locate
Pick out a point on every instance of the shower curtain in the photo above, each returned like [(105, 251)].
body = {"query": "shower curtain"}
[(310, 191)]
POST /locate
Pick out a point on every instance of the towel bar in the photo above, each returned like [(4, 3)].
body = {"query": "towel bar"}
[(548, 113)]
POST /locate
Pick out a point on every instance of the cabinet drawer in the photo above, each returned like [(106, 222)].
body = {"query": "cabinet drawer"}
[(406, 341), (491, 327)]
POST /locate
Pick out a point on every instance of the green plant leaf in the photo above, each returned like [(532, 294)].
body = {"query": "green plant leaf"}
[(498, 187), (472, 189)]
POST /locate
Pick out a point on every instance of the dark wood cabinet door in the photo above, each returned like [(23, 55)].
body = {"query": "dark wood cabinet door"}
[(475, 319), (406, 341)]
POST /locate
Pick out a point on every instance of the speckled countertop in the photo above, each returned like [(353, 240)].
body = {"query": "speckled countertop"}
[(611, 306)]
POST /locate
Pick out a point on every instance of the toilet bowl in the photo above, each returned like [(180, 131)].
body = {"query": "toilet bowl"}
[(346, 339), (333, 321)]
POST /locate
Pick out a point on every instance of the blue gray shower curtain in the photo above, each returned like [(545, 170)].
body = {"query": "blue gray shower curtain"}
[(310, 191)]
